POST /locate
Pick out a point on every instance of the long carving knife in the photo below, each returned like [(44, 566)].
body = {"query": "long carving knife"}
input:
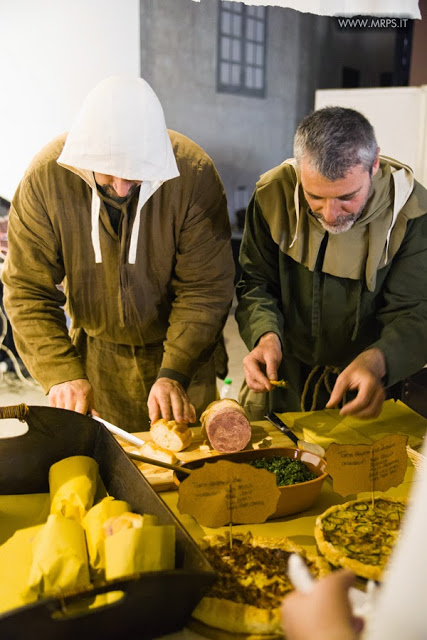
[(124, 435)]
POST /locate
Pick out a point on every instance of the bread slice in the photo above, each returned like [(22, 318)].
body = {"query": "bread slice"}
[(126, 520), (152, 450), (171, 435), (312, 447)]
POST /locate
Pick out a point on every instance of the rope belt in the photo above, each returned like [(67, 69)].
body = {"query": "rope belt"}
[(323, 379)]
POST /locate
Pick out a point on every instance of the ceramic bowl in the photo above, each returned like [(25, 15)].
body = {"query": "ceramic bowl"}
[(293, 498)]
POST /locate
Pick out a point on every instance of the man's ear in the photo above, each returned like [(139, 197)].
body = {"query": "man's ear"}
[(376, 164)]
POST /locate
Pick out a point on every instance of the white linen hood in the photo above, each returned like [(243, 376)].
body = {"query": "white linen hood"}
[(120, 131)]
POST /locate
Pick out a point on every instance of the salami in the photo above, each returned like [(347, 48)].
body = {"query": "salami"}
[(226, 426)]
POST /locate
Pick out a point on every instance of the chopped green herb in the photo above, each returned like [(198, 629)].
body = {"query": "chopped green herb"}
[(287, 471)]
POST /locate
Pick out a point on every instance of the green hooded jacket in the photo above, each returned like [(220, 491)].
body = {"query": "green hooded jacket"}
[(330, 297)]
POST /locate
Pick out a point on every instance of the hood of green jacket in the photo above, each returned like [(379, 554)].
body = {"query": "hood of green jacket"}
[(358, 253)]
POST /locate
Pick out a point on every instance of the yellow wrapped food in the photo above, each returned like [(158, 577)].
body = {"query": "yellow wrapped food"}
[(93, 523), (15, 564), (150, 548), (150, 520), (21, 511), (59, 560), (72, 485), (126, 520)]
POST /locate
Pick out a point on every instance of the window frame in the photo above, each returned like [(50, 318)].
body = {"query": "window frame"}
[(241, 88)]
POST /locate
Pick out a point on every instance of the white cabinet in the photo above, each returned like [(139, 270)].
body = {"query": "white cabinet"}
[(398, 115)]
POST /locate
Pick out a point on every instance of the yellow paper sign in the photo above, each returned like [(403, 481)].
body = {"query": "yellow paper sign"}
[(367, 467), (226, 492)]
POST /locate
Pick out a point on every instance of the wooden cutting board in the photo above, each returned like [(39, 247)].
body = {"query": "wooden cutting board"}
[(264, 435), (162, 479)]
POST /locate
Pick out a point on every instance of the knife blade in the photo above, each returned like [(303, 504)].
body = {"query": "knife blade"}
[(279, 424), (317, 449), (158, 463)]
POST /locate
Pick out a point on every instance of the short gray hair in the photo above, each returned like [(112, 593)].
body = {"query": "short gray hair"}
[(335, 139)]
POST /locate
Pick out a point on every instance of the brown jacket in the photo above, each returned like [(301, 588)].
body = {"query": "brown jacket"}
[(177, 293)]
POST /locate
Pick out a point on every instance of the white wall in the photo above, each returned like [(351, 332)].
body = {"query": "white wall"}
[(398, 115), (52, 52), (245, 136)]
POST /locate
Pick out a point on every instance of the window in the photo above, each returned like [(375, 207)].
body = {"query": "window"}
[(241, 48)]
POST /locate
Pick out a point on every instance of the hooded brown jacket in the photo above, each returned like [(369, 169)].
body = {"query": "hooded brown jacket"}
[(177, 293)]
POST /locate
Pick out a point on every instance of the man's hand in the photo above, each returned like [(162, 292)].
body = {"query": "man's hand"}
[(322, 614), (75, 395), (364, 374), (261, 363), (167, 399)]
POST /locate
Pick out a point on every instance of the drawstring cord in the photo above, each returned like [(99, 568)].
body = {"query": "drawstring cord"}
[(297, 212), (96, 244), (324, 378), (147, 189), (357, 321)]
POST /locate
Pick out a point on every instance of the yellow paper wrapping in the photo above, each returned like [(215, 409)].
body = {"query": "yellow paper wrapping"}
[(327, 426), (72, 485), (15, 564), (150, 520), (60, 559), (93, 526), (126, 520), (22, 511), (137, 550)]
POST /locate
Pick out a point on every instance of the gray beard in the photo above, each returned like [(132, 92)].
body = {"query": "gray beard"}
[(343, 223)]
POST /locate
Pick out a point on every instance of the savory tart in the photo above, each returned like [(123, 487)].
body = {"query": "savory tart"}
[(252, 581), (359, 536)]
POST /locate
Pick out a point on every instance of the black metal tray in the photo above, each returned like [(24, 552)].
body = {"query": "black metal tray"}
[(154, 603)]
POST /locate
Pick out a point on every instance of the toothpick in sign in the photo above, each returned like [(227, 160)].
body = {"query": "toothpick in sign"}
[(223, 492)]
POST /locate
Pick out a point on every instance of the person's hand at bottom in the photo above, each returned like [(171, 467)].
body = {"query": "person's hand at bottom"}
[(324, 613)]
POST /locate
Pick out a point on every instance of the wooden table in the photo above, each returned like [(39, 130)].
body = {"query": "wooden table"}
[(264, 435), (396, 417), (325, 426)]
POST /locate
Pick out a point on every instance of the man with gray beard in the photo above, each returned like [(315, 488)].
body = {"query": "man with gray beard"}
[(333, 294)]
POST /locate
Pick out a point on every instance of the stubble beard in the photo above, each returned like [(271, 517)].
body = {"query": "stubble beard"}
[(343, 223), (109, 191)]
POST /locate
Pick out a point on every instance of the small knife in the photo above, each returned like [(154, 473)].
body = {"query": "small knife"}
[(274, 419), (301, 444)]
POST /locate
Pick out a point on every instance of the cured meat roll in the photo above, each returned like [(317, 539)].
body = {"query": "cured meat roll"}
[(226, 425)]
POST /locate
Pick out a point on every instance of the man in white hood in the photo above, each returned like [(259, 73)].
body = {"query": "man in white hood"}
[(132, 219)]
